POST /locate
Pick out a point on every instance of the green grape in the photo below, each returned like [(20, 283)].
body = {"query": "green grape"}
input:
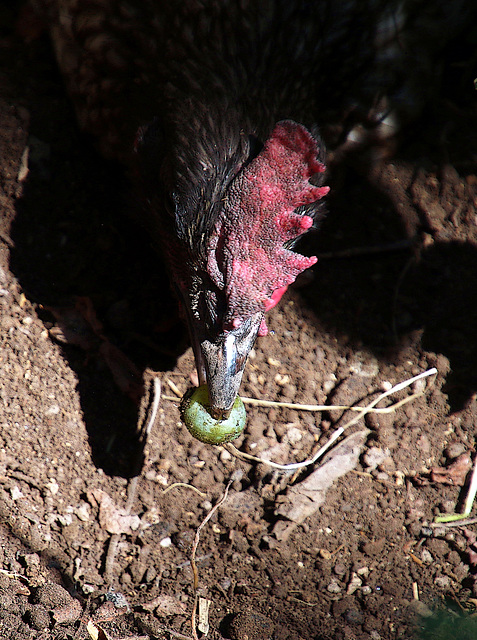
[(199, 422)]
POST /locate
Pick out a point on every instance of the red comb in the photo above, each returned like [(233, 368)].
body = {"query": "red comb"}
[(246, 257)]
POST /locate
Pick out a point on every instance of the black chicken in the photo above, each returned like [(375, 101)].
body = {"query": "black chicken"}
[(214, 105)]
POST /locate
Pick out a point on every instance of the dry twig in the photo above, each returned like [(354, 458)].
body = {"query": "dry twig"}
[(184, 484), (155, 406), (256, 402), (363, 411), (194, 551), (174, 388)]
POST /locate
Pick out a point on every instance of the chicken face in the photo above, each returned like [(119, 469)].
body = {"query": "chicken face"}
[(231, 266)]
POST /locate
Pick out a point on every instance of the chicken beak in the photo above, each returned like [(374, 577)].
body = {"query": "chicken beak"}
[(221, 363)]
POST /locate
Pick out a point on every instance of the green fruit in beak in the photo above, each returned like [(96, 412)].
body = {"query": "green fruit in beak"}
[(199, 422)]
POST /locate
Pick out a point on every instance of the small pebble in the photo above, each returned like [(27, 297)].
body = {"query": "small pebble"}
[(151, 573), (52, 486), (443, 582), (419, 386), (165, 542), (399, 475), (354, 617), (16, 493), (88, 589), (460, 542), (225, 456), (354, 584), (447, 506), (426, 556), (53, 410), (117, 598), (454, 450), (364, 365), (333, 587), (294, 435), (375, 456), (83, 511)]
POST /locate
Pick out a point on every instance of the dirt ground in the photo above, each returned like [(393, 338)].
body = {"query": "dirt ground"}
[(86, 309)]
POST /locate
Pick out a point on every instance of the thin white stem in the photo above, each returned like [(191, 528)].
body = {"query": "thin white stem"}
[(338, 432)]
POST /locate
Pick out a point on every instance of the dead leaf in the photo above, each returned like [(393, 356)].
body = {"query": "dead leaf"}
[(455, 474), (113, 518), (165, 606), (204, 606), (304, 498), (95, 632)]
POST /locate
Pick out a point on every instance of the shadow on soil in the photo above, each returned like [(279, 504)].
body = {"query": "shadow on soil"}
[(75, 241)]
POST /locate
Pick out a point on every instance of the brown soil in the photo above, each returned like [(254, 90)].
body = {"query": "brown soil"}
[(86, 308)]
